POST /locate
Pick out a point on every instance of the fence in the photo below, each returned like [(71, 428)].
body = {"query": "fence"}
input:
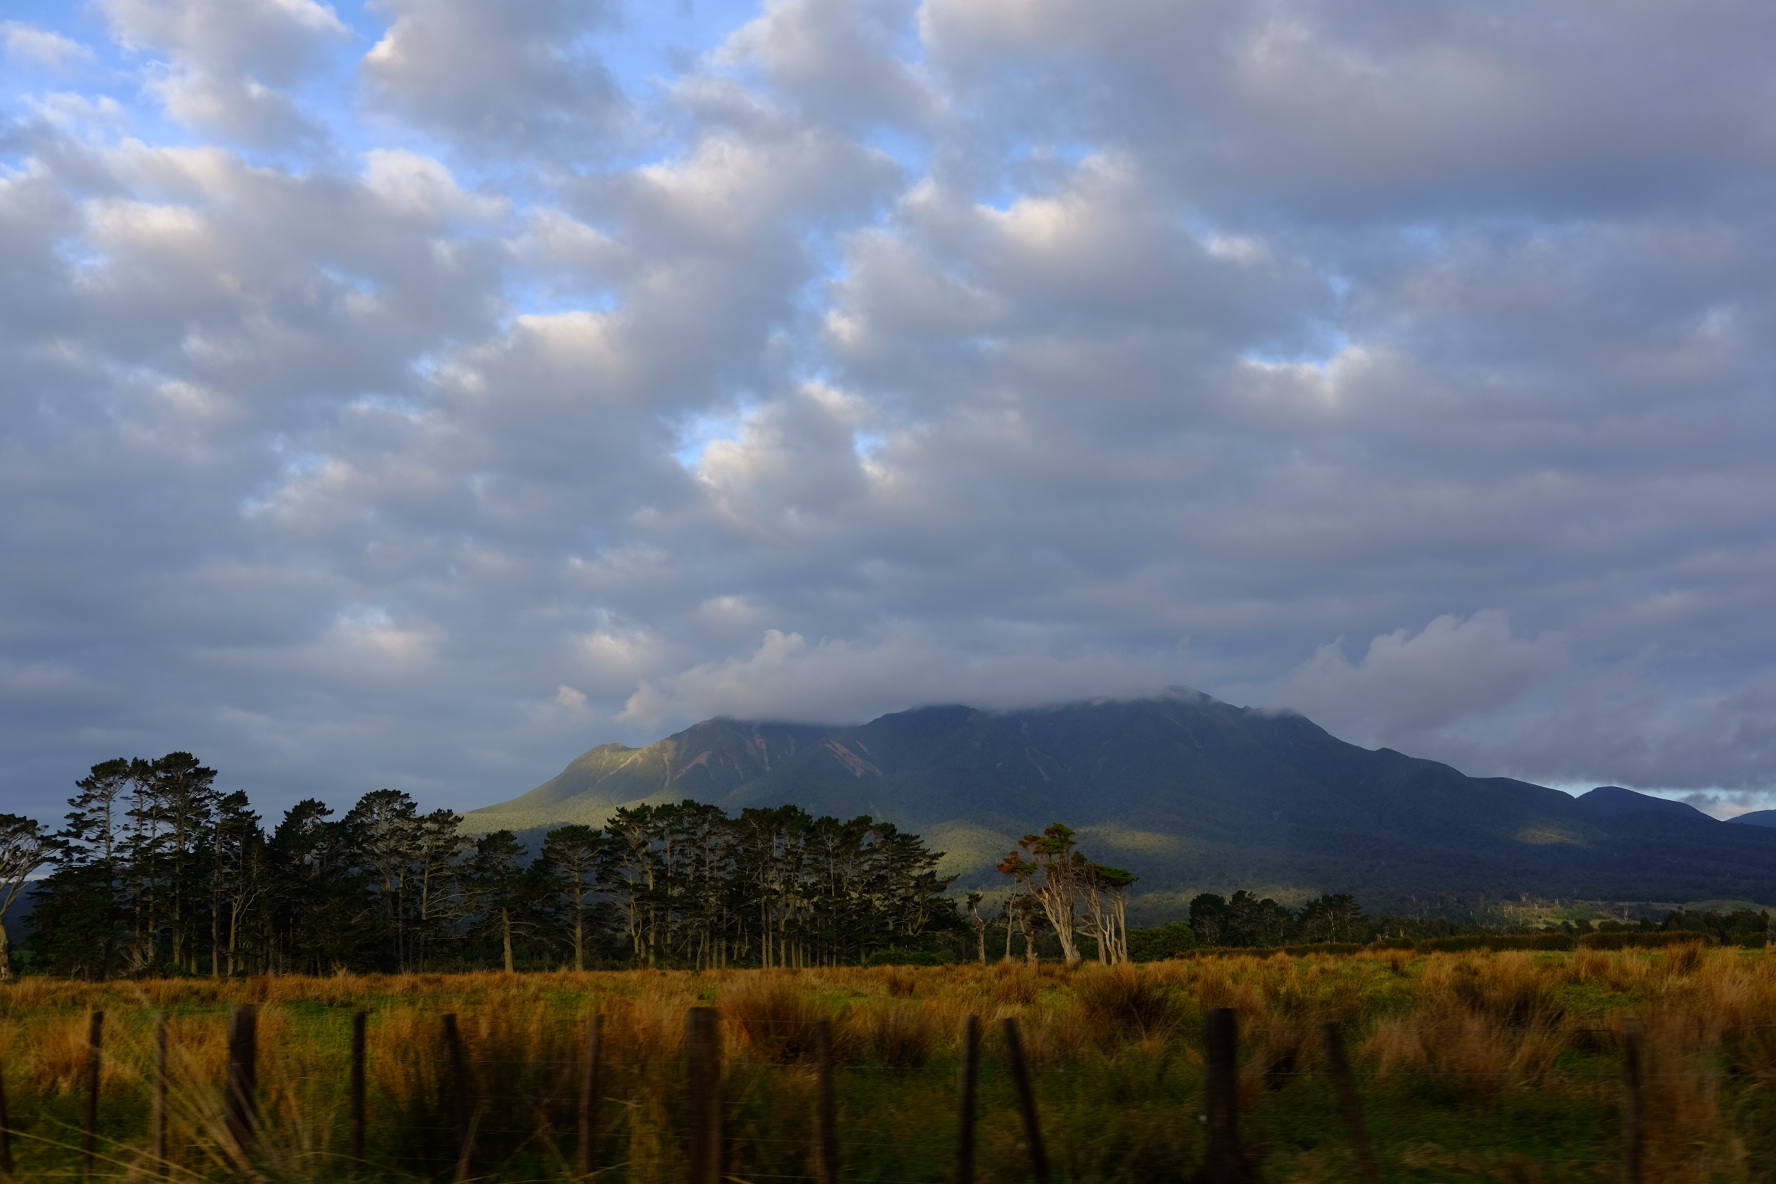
[(706, 1151)]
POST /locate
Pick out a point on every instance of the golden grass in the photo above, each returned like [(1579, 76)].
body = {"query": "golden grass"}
[(1452, 1049)]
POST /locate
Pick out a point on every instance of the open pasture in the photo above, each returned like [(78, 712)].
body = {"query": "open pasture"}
[(1470, 1066)]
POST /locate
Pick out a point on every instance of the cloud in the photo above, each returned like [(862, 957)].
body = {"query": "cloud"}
[(42, 45), (1402, 364), (229, 63), (520, 76), (845, 681), (1453, 672)]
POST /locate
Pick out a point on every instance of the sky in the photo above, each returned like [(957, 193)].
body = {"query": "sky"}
[(416, 393)]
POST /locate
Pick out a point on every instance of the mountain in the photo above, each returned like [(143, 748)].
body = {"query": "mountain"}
[(1756, 818), (1191, 794)]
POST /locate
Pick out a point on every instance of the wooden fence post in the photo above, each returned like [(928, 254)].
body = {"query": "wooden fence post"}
[(1227, 1162), (828, 1105), (970, 1073), (95, 1045), (359, 1084), (1633, 1104), (703, 1061), (241, 1105), (590, 1086), (1367, 1171), (157, 1120), (461, 1112), (1020, 1073), (5, 1131)]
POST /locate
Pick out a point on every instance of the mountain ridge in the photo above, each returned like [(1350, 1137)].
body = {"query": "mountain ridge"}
[(1188, 792)]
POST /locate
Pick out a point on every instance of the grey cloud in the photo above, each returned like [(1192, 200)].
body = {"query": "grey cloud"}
[(1451, 672), (1175, 345), (839, 61), (229, 62), (514, 77), (1374, 107)]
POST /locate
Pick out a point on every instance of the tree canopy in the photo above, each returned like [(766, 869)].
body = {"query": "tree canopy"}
[(155, 872)]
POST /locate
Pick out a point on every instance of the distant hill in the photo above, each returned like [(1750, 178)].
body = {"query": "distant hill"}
[(1191, 794), (1756, 818)]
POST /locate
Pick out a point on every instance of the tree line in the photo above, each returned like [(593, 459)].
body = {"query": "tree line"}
[(155, 871)]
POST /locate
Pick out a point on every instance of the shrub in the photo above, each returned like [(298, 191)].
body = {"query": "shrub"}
[(1642, 941), (1166, 941)]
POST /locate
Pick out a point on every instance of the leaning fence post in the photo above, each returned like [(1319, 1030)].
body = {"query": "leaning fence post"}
[(1227, 1163), (589, 1090), (703, 1061), (459, 1097), (95, 1045), (1020, 1073), (157, 1123), (970, 1072), (241, 1107), (1367, 1172), (360, 1054), (1633, 1104), (5, 1131)]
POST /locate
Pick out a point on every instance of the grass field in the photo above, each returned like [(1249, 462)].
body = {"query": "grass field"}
[(1472, 1067)]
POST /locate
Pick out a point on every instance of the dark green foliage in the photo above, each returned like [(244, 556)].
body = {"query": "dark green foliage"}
[(156, 873), (1498, 941), (1166, 941), (1634, 940), (773, 887)]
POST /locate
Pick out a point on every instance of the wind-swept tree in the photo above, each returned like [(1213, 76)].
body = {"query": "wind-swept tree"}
[(1051, 870), (973, 902), (1106, 910), (23, 849)]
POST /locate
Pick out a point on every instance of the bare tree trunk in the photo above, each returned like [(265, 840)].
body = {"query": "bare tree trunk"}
[(506, 933)]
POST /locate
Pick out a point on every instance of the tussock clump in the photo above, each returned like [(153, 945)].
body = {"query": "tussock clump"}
[(900, 983), (1015, 987), (1122, 1001), (1509, 986), (773, 1018), (902, 1036)]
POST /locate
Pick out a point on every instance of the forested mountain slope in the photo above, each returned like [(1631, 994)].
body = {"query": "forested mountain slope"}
[(1190, 793)]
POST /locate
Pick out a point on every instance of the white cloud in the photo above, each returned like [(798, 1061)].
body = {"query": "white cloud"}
[(42, 45), (229, 63)]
